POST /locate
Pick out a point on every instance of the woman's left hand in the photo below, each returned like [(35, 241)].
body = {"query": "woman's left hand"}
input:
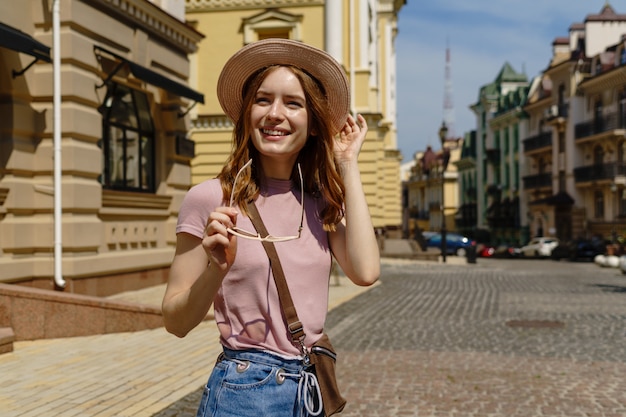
[(351, 138)]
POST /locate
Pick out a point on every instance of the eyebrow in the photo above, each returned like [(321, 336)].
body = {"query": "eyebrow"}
[(289, 96)]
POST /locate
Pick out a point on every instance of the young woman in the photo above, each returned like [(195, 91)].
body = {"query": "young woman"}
[(295, 155)]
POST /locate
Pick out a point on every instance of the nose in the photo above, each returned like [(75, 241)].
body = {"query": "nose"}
[(275, 110)]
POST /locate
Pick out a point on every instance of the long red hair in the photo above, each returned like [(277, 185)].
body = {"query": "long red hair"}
[(316, 158)]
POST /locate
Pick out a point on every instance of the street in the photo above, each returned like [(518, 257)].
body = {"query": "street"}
[(514, 338)]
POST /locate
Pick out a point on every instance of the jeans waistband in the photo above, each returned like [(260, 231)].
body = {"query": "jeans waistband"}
[(309, 394), (264, 358)]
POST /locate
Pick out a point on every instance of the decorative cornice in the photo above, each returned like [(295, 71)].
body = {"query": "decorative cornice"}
[(196, 6), (212, 122), (155, 21)]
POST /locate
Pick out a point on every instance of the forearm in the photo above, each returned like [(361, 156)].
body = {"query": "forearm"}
[(361, 248), (186, 305)]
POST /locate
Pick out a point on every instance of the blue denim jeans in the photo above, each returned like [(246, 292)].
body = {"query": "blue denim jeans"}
[(257, 384)]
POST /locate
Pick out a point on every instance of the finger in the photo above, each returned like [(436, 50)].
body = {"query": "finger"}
[(230, 212), (362, 121)]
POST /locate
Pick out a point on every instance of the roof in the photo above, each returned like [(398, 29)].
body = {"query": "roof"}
[(607, 14)]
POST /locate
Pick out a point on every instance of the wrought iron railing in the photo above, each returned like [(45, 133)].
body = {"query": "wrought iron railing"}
[(599, 172), (542, 140), (602, 124), (537, 181)]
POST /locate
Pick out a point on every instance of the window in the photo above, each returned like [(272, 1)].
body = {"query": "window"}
[(597, 116), (562, 181), (599, 204), (598, 155), (561, 142), (128, 140), (272, 23), (622, 109)]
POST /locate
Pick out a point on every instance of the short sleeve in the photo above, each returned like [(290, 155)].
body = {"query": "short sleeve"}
[(199, 202)]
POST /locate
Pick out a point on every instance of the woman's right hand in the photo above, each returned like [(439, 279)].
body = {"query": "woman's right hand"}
[(220, 246)]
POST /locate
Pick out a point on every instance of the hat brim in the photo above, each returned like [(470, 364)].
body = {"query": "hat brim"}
[(264, 53)]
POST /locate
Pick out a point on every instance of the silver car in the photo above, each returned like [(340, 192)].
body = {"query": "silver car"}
[(540, 247)]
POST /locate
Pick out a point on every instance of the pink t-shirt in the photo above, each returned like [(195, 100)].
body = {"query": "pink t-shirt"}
[(247, 310)]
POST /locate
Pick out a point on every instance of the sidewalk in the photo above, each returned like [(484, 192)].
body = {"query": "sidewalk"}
[(116, 375)]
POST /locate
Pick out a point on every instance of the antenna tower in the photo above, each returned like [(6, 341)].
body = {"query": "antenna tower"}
[(448, 105)]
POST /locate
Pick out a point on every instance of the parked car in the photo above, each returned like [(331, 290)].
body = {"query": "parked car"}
[(579, 249), (455, 244), (540, 247), (485, 251), (505, 251)]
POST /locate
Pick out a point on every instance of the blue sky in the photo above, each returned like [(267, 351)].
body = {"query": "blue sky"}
[(482, 35)]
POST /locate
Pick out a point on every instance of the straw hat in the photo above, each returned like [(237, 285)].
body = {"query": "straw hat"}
[(264, 53)]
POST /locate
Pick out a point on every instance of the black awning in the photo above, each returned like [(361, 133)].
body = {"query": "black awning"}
[(156, 79), (19, 41)]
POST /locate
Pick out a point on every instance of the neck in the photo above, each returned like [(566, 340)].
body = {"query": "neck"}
[(279, 169)]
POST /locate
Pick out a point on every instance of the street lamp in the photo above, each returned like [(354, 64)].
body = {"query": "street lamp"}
[(443, 134)]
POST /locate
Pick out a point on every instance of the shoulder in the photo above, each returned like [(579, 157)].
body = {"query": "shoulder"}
[(198, 203), (208, 192)]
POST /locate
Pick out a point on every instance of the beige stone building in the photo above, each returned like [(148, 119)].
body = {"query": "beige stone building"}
[(432, 189), (360, 34), (575, 174), (94, 153)]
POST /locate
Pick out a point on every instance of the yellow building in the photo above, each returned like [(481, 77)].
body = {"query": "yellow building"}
[(432, 189), (360, 34)]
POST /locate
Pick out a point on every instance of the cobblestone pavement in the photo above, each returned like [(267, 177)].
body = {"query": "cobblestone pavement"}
[(514, 338)]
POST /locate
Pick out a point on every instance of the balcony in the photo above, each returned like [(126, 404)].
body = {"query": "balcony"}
[(542, 140), (599, 172), (494, 189), (602, 124), (434, 206), (532, 182), (416, 213), (556, 111), (493, 156)]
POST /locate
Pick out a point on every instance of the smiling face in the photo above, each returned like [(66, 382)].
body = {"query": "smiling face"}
[(279, 119)]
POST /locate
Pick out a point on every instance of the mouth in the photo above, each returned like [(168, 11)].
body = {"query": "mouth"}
[(273, 132)]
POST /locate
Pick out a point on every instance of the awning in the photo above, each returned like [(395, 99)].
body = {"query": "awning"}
[(154, 78), (19, 41)]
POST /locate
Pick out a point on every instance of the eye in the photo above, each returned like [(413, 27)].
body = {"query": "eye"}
[(295, 104), (261, 100)]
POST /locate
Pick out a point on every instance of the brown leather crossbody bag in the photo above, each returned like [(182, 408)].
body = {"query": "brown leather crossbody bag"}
[(322, 356)]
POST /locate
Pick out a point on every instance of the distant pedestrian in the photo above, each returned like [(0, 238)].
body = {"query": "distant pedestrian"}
[(295, 155)]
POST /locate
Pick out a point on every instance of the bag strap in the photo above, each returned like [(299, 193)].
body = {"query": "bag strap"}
[(296, 330)]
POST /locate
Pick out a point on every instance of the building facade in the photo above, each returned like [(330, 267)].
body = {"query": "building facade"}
[(466, 218), (498, 121), (360, 34), (94, 153), (576, 151), (431, 189)]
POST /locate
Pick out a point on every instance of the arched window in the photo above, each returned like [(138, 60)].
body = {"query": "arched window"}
[(598, 122), (127, 140), (622, 109), (598, 199)]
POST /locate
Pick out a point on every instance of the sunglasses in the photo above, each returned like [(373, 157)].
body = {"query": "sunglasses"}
[(236, 231)]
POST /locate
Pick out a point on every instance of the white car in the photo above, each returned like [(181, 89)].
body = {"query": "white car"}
[(540, 247)]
